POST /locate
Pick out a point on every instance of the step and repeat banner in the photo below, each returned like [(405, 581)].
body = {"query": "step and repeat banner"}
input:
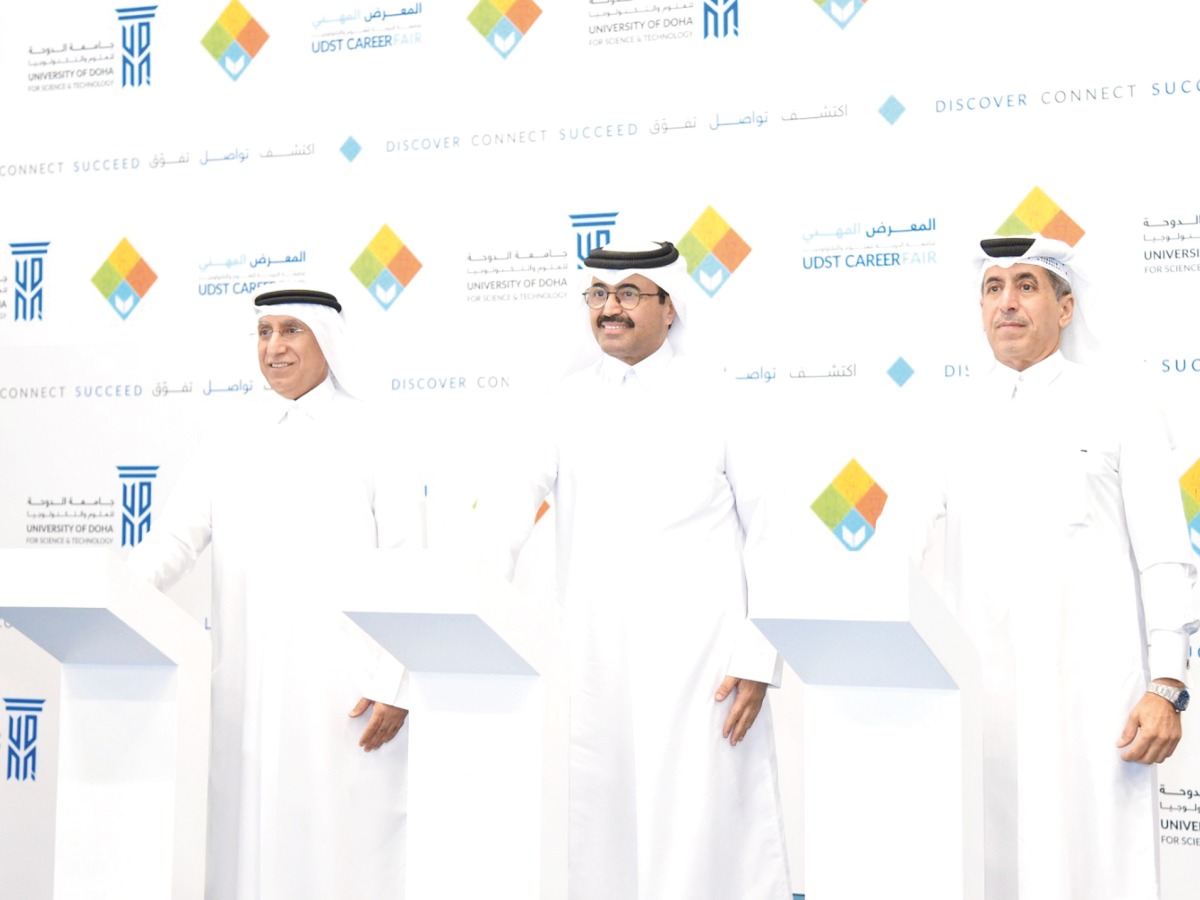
[(442, 166)]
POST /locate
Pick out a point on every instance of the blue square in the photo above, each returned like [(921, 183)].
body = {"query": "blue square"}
[(710, 275), (842, 11), (853, 531), (891, 110), (235, 60), (900, 371), (504, 37), (124, 300), (351, 149), (1194, 533), (386, 288)]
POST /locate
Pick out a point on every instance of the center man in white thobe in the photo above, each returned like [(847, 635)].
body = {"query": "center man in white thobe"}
[(673, 784), (297, 809), (1067, 561)]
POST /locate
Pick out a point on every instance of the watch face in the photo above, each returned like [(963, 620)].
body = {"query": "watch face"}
[(1182, 702)]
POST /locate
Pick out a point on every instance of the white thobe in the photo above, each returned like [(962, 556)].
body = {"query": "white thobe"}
[(296, 808), (1059, 499), (652, 516)]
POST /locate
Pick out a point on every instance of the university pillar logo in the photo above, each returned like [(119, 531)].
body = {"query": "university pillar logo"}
[(234, 39), (842, 12), (720, 18), (1189, 484), (503, 23), (1038, 214), (135, 44), (137, 496), (850, 506), (21, 753), (386, 267), (29, 261), (713, 251), (591, 232), (124, 279)]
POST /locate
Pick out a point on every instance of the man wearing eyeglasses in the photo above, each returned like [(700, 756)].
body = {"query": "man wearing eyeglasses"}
[(297, 808), (672, 771)]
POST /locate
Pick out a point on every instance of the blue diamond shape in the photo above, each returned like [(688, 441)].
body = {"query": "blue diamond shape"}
[(235, 61), (710, 275), (504, 37), (1194, 533), (842, 11), (900, 371), (351, 149), (386, 288), (853, 531), (891, 110), (124, 300)]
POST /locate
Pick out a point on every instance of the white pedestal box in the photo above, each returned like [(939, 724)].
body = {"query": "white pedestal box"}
[(107, 763)]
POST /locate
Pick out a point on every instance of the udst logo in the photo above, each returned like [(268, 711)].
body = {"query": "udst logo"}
[(29, 261), (591, 232), (504, 22), (713, 251), (851, 506), (386, 267), (137, 496), (1038, 214), (1190, 486), (720, 18), (841, 11), (21, 755), (124, 279), (234, 39), (135, 44)]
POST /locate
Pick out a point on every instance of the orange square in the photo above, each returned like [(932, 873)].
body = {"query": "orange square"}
[(1063, 228), (141, 277), (252, 37), (731, 250), (404, 266), (871, 504), (523, 13)]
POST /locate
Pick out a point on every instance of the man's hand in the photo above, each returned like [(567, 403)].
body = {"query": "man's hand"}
[(748, 700), (385, 723), (1153, 730)]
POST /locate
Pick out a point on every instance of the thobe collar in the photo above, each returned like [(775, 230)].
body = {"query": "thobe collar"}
[(1006, 384), (647, 373), (308, 406)]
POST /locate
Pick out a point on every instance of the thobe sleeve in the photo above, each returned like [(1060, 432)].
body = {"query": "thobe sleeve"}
[(1158, 536), (182, 530), (765, 558)]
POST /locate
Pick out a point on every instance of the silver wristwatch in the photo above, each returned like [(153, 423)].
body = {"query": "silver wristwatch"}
[(1177, 697)]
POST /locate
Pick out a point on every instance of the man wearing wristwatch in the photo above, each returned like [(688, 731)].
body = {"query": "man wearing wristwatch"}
[(1067, 562)]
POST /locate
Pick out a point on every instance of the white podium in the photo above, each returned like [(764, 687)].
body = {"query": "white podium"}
[(487, 793), (106, 779), (893, 752)]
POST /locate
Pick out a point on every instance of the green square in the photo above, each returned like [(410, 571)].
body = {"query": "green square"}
[(1191, 507), (831, 507), (1012, 227), (366, 268), (692, 250), (107, 279), (217, 41), (484, 17)]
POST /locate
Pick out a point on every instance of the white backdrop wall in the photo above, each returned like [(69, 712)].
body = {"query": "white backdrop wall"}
[(839, 158)]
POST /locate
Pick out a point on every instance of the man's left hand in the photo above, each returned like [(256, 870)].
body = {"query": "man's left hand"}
[(385, 723), (1152, 732), (747, 701)]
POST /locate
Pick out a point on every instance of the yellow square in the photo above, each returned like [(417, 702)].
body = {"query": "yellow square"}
[(709, 228), (124, 258), (1036, 210), (503, 5), (235, 18), (853, 482), (385, 245), (1190, 482)]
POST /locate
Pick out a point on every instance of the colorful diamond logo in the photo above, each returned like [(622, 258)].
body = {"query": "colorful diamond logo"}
[(234, 39), (713, 251), (841, 12), (124, 279), (851, 505), (900, 371), (1038, 214), (504, 22), (1190, 486), (891, 110), (386, 267)]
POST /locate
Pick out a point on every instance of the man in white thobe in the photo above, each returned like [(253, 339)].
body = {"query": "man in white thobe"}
[(1067, 561), (673, 795), (297, 806)]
